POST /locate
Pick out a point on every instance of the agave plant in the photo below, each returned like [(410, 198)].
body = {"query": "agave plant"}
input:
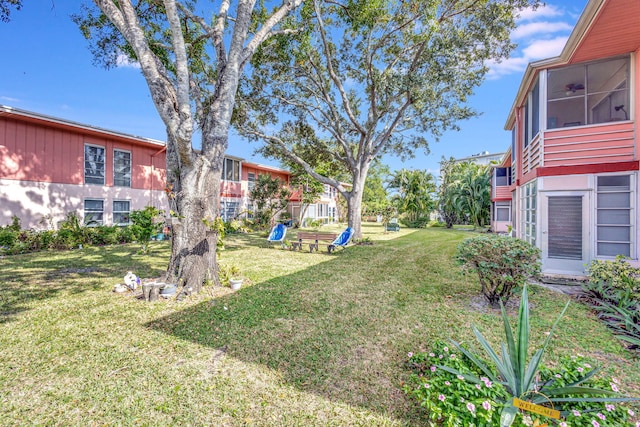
[(519, 376)]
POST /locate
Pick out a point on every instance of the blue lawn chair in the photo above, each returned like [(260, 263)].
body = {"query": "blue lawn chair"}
[(278, 232), (342, 240)]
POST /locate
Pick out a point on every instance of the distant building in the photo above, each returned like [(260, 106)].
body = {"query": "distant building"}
[(484, 158)]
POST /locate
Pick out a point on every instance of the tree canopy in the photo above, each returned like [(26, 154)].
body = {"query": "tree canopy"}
[(5, 8), (364, 78)]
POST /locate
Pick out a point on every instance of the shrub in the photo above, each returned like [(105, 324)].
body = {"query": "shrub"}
[(146, 223), (421, 222), (619, 273), (618, 308), (501, 262), (125, 235), (436, 223), (613, 291), (234, 226), (8, 237)]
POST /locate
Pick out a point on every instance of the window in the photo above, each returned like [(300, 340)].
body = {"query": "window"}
[(93, 164), (502, 211), (614, 216), (503, 177), (531, 115), (590, 93), (528, 211), (121, 168), (251, 180), (93, 212), (535, 111), (229, 210), (121, 209), (231, 170)]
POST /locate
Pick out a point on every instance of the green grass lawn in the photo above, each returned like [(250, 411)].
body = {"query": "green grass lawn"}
[(311, 340)]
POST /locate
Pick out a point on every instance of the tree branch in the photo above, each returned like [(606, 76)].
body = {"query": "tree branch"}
[(266, 29), (284, 149), (334, 77)]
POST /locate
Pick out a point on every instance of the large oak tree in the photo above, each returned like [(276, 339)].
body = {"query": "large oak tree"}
[(192, 58), (372, 77)]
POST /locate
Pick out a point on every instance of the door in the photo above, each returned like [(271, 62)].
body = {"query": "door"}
[(565, 232)]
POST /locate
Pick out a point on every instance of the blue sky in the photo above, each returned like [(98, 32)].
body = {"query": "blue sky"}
[(47, 68)]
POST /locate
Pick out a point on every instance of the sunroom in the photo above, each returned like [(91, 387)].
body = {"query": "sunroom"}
[(578, 114)]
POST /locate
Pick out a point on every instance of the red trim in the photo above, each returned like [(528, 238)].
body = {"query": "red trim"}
[(584, 169)]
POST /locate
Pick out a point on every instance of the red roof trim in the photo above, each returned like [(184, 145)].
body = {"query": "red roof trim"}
[(591, 168)]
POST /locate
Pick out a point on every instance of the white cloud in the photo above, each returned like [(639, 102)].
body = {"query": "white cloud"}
[(542, 49), (539, 28), (9, 99), (541, 34), (123, 61), (506, 67), (544, 11), (536, 50)]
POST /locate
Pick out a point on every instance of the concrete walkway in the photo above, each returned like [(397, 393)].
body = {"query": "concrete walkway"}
[(569, 287)]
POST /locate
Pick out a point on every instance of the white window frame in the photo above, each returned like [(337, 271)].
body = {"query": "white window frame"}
[(632, 214), (251, 181), (235, 169), (528, 212), (581, 95), (88, 212), (116, 173), (501, 206), (104, 162), (127, 212)]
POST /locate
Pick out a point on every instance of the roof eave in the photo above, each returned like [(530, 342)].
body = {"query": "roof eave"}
[(42, 118), (579, 31)]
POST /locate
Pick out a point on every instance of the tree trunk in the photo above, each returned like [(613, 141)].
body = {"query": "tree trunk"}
[(354, 202), (193, 246)]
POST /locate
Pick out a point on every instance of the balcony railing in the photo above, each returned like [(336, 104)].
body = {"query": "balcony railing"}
[(589, 144)]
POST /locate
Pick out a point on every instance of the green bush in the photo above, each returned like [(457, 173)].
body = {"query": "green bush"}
[(613, 291), (618, 308), (146, 223), (421, 222), (234, 226), (436, 223), (72, 234), (125, 235), (502, 263), (8, 237), (619, 273)]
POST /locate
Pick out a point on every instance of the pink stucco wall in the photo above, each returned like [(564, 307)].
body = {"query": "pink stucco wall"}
[(42, 204)]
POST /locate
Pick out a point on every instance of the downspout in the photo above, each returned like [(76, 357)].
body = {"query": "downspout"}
[(163, 149)]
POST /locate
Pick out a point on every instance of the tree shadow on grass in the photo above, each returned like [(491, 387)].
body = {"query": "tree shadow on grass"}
[(44, 275), (322, 339)]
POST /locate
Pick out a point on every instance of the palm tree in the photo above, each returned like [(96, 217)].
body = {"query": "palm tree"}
[(415, 192)]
